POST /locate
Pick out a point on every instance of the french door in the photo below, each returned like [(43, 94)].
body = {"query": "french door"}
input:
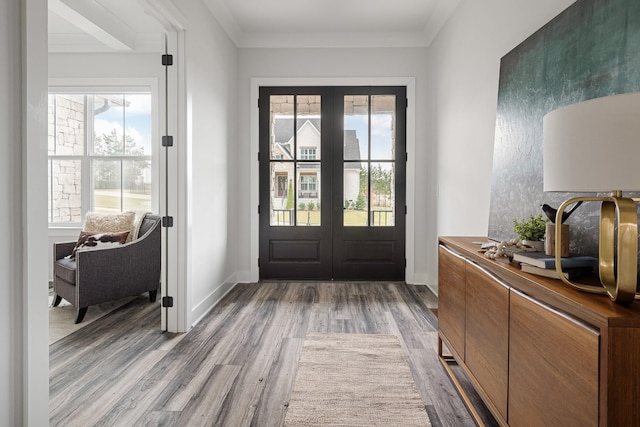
[(332, 183)]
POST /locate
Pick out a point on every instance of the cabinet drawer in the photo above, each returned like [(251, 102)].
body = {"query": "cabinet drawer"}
[(487, 335), (451, 300), (553, 367)]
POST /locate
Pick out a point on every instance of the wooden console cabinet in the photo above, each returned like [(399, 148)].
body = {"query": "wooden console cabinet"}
[(537, 352)]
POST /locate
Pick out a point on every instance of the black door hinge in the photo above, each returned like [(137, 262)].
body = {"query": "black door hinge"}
[(167, 301), (258, 209), (167, 221), (258, 156), (406, 102), (167, 60), (405, 209), (167, 141)]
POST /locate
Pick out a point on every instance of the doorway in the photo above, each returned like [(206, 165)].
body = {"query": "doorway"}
[(332, 182)]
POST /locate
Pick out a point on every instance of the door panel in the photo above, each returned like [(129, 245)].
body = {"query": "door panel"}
[(369, 242), (331, 166), (295, 230)]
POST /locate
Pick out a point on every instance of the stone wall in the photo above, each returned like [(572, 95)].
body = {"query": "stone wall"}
[(66, 134)]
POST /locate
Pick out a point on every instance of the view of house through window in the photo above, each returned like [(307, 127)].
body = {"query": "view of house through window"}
[(100, 154), (369, 160), (295, 145)]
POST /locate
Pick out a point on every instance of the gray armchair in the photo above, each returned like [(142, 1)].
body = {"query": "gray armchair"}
[(107, 274)]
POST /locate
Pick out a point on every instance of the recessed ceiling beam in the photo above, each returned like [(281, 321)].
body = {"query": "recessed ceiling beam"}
[(95, 20)]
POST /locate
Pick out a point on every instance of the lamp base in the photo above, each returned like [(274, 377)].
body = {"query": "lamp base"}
[(618, 253)]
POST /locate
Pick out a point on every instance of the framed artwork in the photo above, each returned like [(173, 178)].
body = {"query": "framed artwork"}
[(590, 50)]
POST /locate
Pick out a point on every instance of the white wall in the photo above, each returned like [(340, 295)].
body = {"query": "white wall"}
[(24, 389), (10, 248), (210, 168), (464, 66), (105, 65), (326, 64)]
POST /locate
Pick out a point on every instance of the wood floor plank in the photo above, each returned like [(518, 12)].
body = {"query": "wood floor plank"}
[(236, 367), (204, 408), (160, 419), (279, 382), (249, 387), (411, 328)]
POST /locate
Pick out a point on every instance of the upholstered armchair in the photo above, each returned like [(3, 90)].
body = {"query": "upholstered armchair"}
[(105, 274)]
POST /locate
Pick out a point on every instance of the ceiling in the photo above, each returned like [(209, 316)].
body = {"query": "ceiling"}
[(125, 26)]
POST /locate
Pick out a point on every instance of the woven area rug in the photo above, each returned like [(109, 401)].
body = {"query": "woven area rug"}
[(354, 380)]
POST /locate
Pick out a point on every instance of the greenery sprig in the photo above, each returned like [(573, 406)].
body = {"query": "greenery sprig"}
[(530, 229)]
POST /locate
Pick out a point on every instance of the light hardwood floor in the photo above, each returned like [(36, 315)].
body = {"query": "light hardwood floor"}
[(236, 367)]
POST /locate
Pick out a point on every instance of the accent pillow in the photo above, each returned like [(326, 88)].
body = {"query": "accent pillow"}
[(98, 222), (89, 241)]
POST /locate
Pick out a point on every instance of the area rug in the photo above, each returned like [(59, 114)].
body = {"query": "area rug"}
[(61, 318), (354, 380)]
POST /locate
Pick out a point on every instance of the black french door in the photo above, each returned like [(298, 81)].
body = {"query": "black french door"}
[(332, 183)]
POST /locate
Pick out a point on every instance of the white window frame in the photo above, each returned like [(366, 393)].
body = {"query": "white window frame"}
[(308, 153), (110, 86), (308, 180)]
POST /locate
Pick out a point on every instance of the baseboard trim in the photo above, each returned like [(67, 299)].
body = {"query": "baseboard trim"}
[(210, 301)]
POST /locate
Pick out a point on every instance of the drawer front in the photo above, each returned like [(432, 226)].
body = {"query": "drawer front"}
[(553, 367), (451, 299), (487, 335)]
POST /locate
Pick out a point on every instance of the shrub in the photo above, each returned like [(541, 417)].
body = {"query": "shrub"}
[(290, 196)]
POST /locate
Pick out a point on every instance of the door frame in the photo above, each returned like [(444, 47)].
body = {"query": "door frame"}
[(254, 194)]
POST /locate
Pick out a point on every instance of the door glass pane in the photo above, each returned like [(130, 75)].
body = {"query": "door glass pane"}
[(308, 194), (281, 127), (65, 185), (356, 127), (107, 181), (136, 191), (356, 194), (308, 127), (282, 194), (383, 127), (382, 194)]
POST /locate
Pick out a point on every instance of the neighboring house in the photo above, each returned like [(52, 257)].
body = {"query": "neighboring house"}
[(307, 179), (351, 169)]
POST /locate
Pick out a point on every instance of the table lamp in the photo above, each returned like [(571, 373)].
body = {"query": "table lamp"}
[(594, 147)]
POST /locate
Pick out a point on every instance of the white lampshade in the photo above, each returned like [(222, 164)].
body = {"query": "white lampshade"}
[(593, 146)]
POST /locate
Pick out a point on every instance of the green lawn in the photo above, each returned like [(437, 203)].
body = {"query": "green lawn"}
[(351, 218), (106, 200)]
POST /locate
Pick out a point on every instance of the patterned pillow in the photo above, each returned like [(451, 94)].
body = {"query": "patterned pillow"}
[(88, 241), (99, 222)]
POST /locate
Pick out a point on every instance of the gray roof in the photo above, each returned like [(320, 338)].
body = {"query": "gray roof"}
[(283, 132), (351, 149), (351, 145), (283, 127)]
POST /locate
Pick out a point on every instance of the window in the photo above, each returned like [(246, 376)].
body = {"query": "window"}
[(100, 154), (308, 186), (307, 153)]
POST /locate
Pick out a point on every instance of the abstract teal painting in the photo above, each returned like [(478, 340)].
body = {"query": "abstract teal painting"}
[(590, 50)]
